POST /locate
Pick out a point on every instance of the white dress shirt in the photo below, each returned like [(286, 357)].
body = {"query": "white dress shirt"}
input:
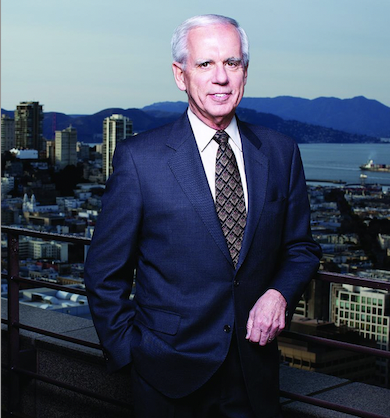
[(208, 150)]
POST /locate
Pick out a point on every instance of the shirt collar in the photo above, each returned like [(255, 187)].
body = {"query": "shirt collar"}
[(204, 134)]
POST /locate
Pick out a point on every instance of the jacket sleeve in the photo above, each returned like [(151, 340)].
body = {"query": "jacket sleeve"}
[(111, 260), (300, 254)]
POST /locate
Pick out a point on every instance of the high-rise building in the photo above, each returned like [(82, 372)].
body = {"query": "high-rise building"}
[(116, 128), (7, 133), (29, 126), (66, 147)]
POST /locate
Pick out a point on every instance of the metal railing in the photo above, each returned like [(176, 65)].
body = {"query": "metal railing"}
[(17, 357)]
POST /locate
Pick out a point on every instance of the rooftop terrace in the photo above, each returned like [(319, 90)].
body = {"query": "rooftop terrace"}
[(52, 365)]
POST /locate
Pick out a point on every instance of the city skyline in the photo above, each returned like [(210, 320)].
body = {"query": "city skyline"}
[(84, 60)]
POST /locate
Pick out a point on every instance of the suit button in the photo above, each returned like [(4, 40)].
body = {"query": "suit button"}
[(236, 283), (227, 328)]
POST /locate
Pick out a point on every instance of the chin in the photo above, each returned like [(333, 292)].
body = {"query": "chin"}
[(222, 111)]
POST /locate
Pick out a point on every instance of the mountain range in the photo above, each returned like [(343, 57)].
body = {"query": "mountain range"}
[(307, 121)]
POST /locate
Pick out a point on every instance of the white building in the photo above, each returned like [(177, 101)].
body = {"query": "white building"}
[(32, 206), (116, 128), (37, 249), (367, 311), (66, 147), (7, 133)]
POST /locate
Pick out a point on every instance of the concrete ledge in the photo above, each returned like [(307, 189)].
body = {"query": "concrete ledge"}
[(69, 363), (361, 396), (84, 368)]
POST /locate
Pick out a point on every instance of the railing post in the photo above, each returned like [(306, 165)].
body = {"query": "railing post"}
[(13, 317)]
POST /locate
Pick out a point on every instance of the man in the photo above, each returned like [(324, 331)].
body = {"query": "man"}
[(215, 279)]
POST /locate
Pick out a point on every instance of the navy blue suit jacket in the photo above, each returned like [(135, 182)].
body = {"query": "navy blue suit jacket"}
[(159, 218)]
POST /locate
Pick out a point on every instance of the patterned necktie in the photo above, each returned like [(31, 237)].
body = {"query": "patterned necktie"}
[(229, 195)]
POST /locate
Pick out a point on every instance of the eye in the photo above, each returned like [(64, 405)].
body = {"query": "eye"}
[(205, 64), (233, 63)]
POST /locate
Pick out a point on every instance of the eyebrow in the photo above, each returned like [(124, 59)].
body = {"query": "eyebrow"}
[(231, 59), (235, 59)]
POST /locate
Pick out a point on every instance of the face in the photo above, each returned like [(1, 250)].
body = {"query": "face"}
[(214, 76)]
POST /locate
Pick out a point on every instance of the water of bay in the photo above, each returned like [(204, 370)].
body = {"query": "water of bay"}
[(335, 162)]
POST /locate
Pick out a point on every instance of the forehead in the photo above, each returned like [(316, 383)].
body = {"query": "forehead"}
[(214, 39)]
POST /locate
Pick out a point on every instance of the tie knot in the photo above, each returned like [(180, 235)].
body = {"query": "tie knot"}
[(221, 137)]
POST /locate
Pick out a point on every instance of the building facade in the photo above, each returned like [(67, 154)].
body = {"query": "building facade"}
[(7, 133), (29, 126), (368, 312), (66, 147), (116, 128), (37, 249)]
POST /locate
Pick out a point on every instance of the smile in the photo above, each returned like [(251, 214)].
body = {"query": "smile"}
[(220, 95)]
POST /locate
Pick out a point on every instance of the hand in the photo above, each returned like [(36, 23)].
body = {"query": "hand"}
[(267, 318)]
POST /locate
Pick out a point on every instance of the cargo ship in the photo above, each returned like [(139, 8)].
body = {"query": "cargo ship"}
[(370, 166)]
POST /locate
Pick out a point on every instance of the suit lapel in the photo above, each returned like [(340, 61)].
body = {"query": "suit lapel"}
[(256, 169), (187, 168)]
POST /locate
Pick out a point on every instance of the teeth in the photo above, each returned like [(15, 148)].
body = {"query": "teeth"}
[(220, 94)]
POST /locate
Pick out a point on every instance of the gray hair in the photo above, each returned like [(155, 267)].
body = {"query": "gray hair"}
[(179, 38)]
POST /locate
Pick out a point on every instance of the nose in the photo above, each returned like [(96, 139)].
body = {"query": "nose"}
[(220, 74)]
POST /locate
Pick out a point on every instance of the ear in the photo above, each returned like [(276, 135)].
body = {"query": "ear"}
[(178, 74)]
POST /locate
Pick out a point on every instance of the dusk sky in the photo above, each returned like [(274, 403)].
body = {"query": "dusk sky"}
[(79, 57)]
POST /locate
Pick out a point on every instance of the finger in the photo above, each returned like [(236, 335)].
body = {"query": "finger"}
[(264, 338), (255, 335), (249, 326)]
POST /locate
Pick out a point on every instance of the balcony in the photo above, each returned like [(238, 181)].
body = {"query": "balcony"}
[(52, 364)]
